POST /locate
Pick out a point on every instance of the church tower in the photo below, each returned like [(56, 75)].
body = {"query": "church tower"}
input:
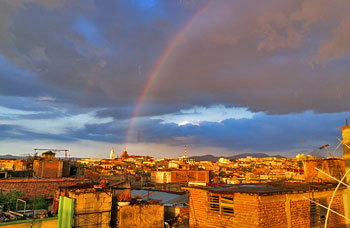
[(111, 154)]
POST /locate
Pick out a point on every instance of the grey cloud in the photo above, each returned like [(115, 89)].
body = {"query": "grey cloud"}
[(272, 56), (146, 110), (259, 57), (90, 76), (269, 63), (263, 133)]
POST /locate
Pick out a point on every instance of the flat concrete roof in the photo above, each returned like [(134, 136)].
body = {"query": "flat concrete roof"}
[(266, 189)]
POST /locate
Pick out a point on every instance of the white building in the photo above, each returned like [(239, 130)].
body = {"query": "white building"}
[(111, 154)]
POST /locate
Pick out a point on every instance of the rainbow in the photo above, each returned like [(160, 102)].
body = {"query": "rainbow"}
[(157, 68)]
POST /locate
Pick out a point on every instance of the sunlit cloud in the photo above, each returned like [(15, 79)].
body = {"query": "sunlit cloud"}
[(198, 114)]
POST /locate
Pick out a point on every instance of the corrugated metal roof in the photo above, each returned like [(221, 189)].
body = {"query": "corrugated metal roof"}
[(165, 197)]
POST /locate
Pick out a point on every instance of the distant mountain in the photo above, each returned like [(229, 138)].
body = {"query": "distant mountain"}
[(256, 155), (210, 157), (9, 156), (207, 157)]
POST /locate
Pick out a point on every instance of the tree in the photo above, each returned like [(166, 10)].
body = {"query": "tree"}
[(222, 173), (40, 203), (124, 155), (8, 200), (300, 164)]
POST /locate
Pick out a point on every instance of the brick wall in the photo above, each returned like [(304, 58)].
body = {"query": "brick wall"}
[(39, 187), (338, 206), (273, 214), (300, 213), (48, 168), (180, 176), (184, 176), (91, 175), (252, 210), (200, 216), (246, 211), (335, 167)]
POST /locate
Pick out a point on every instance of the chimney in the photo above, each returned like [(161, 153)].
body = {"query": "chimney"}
[(345, 131)]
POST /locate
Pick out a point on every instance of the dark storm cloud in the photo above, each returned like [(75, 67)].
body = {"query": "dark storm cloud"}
[(64, 58), (100, 54), (147, 110), (263, 133), (276, 56), (272, 56)]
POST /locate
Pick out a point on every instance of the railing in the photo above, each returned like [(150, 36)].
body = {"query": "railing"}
[(92, 219)]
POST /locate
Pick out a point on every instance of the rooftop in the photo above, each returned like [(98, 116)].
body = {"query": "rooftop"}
[(266, 189), (48, 152)]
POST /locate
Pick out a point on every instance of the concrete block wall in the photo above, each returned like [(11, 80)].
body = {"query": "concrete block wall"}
[(91, 201), (145, 216), (92, 208)]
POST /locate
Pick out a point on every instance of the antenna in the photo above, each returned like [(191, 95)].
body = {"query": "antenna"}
[(325, 147), (54, 150), (185, 151)]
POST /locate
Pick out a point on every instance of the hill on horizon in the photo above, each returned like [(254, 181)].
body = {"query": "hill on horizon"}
[(210, 157)]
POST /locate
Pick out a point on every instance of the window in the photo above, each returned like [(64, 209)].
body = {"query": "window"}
[(214, 202), (226, 204), (317, 213), (222, 204)]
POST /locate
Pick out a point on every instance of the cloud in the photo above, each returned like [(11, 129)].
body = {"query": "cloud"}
[(297, 133), (74, 65), (269, 66), (195, 115), (252, 57)]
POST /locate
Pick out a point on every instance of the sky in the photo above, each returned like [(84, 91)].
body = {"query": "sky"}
[(222, 77)]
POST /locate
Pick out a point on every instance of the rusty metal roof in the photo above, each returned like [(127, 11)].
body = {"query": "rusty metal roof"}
[(266, 189)]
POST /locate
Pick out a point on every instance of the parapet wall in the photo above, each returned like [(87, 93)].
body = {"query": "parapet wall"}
[(145, 216), (39, 187), (31, 223), (264, 211)]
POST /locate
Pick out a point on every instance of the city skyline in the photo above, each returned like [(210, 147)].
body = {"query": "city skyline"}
[(222, 77)]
